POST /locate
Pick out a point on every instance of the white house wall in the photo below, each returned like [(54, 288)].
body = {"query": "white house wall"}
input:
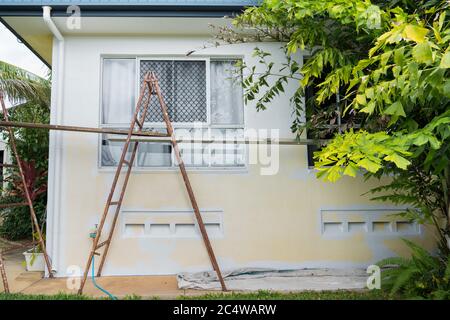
[(266, 221)]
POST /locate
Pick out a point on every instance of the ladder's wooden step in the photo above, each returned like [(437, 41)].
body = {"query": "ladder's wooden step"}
[(101, 244), (141, 125), (128, 163), (114, 203)]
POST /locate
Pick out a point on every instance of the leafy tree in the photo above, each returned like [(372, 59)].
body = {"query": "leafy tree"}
[(31, 96), (381, 91)]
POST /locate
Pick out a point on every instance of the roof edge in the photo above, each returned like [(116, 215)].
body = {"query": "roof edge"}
[(206, 11), (18, 36)]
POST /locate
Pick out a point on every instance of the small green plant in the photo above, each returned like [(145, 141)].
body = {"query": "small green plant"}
[(423, 275), (36, 250)]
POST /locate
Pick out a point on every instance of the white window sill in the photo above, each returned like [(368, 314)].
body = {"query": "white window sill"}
[(218, 170)]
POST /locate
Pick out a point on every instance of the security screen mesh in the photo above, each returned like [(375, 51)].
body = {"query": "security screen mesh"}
[(183, 86)]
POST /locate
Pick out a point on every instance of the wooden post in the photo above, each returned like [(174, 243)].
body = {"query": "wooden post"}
[(13, 146), (3, 273)]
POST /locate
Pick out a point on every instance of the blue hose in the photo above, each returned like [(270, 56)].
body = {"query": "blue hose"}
[(96, 285)]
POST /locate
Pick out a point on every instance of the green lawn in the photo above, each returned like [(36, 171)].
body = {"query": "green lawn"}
[(305, 295), (261, 295)]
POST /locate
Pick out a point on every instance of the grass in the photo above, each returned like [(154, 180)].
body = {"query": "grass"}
[(304, 295), (59, 296), (260, 295)]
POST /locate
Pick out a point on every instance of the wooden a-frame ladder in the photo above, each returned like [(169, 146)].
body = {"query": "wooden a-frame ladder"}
[(151, 86)]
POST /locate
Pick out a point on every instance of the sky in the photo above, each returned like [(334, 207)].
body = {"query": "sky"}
[(15, 52)]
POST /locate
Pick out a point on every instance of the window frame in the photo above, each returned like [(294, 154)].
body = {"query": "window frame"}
[(176, 125)]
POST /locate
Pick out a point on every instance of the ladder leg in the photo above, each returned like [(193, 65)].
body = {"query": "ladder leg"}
[(114, 185), (86, 270), (140, 122), (3, 273), (103, 219), (117, 211), (34, 219), (187, 183)]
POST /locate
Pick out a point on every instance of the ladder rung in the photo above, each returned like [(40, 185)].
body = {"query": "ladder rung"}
[(139, 123), (127, 163), (101, 244), (114, 203), (96, 253)]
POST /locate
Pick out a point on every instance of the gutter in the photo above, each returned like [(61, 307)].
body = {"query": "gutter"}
[(55, 140), (198, 11)]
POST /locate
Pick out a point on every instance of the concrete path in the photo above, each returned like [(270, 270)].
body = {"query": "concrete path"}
[(166, 287), (22, 281), (18, 278)]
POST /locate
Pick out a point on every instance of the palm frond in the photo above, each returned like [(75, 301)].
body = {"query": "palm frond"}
[(403, 278), (20, 85)]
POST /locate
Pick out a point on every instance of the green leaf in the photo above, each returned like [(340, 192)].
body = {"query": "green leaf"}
[(421, 139), (361, 99), (445, 61), (369, 108), (399, 161), (369, 165), (422, 53), (395, 109), (434, 142), (351, 170), (415, 33), (446, 88), (399, 56)]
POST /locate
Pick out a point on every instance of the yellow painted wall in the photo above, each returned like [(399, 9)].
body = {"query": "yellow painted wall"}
[(269, 221)]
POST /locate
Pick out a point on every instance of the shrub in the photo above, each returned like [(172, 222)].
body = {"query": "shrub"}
[(421, 276), (32, 145)]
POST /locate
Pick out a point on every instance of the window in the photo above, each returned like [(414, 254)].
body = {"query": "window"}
[(204, 101), (184, 86)]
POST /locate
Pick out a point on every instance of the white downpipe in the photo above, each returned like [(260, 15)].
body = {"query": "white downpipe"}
[(51, 25), (55, 152)]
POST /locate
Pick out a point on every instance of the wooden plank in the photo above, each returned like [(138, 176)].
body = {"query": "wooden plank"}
[(9, 124), (287, 142), (11, 205)]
